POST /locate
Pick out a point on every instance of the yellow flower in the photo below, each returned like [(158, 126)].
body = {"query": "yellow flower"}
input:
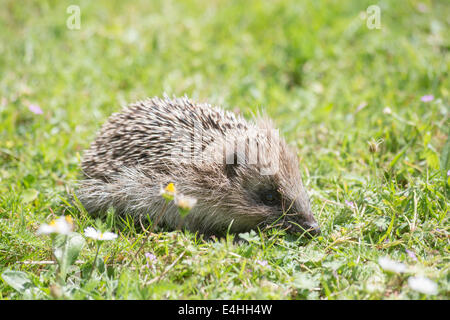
[(168, 192), (170, 187)]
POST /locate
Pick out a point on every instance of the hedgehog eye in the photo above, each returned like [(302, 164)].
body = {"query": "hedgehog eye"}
[(269, 198)]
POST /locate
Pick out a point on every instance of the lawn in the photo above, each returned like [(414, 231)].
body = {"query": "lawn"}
[(366, 105)]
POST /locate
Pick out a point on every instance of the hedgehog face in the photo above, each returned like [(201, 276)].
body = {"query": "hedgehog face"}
[(270, 188), (276, 202)]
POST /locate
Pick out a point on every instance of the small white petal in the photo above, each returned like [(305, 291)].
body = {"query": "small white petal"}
[(97, 235), (60, 225), (387, 110), (391, 265), (262, 262), (91, 233), (45, 229), (108, 236), (423, 285), (185, 202)]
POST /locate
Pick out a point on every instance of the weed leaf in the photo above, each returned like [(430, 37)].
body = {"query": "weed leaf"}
[(18, 280), (66, 252)]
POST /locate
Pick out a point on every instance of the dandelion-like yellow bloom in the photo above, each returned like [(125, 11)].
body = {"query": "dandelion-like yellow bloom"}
[(168, 192), (170, 187)]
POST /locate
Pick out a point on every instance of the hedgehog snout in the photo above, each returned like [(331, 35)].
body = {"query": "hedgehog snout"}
[(303, 223), (308, 227)]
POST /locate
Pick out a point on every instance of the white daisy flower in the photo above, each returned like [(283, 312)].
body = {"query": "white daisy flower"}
[(97, 235), (423, 285), (184, 204), (391, 265), (62, 225)]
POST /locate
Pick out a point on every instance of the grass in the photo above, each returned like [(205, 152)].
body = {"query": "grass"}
[(374, 157)]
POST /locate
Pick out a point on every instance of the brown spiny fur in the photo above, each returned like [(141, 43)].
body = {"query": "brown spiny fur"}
[(152, 143)]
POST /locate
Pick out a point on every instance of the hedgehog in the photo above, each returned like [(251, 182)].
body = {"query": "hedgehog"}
[(243, 175)]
